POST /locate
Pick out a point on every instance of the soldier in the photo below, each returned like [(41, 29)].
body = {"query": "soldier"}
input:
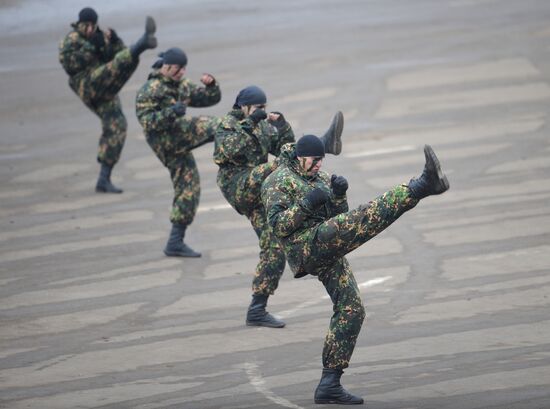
[(309, 214), (244, 139), (99, 64), (160, 107)]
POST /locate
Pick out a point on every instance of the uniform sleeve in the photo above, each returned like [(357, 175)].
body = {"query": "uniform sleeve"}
[(75, 54), (281, 137), (338, 204), (200, 96), (284, 214), (112, 48), (231, 145), (152, 113)]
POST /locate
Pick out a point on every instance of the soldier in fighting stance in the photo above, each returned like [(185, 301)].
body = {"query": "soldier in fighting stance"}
[(160, 107), (99, 64), (308, 212), (245, 137)]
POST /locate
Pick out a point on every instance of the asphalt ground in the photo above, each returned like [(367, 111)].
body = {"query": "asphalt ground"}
[(457, 291)]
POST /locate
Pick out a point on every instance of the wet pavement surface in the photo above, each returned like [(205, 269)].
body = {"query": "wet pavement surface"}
[(457, 291)]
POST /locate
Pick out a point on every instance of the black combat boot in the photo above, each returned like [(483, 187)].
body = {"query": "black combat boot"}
[(104, 184), (329, 389), (175, 247), (432, 181), (147, 40), (333, 136), (257, 316)]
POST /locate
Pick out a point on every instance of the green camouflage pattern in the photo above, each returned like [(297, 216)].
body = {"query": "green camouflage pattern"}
[(96, 75), (114, 128), (348, 314), (315, 242), (272, 261), (172, 138), (241, 152)]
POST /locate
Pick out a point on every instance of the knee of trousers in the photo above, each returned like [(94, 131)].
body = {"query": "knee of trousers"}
[(116, 126), (272, 262), (355, 313)]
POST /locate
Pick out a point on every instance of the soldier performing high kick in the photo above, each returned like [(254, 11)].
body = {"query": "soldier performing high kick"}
[(99, 64), (160, 107), (308, 212), (244, 139)]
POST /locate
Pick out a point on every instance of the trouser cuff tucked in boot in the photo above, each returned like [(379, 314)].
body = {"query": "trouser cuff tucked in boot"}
[(104, 184), (257, 316), (330, 390), (175, 247)]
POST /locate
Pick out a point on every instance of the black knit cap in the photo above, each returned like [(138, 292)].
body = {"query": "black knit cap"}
[(251, 95), (174, 56), (87, 15), (310, 145)]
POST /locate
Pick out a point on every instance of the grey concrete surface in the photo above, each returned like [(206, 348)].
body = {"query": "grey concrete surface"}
[(92, 315)]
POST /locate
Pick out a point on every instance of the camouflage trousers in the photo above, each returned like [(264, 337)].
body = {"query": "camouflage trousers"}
[(333, 240), (245, 194), (348, 314), (174, 151), (98, 90), (272, 259)]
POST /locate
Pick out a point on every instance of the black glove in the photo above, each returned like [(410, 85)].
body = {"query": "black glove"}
[(339, 185), (316, 198), (279, 122), (97, 39), (114, 36), (257, 116), (179, 108)]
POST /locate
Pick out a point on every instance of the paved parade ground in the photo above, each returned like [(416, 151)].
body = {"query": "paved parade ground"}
[(457, 291)]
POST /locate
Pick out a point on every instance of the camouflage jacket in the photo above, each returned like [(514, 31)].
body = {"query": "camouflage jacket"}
[(283, 194), (79, 56), (156, 97), (241, 146)]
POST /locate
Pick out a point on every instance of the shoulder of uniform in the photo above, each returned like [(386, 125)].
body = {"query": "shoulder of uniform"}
[(149, 89), (324, 176), (70, 39), (228, 122), (185, 82), (278, 175)]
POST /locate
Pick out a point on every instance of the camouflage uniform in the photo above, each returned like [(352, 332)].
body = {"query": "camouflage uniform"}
[(316, 242), (96, 75), (241, 152), (172, 138)]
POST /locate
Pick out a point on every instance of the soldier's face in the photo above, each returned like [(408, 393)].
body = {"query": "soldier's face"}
[(310, 164), (90, 29), (172, 71), (248, 109)]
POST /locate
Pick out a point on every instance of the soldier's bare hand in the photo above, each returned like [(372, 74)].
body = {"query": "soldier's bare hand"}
[(208, 79), (276, 119), (272, 116)]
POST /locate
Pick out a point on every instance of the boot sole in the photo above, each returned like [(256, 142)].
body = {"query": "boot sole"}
[(150, 26), (103, 190), (338, 123), (171, 254), (259, 324), (442, 178), (337, 402)]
